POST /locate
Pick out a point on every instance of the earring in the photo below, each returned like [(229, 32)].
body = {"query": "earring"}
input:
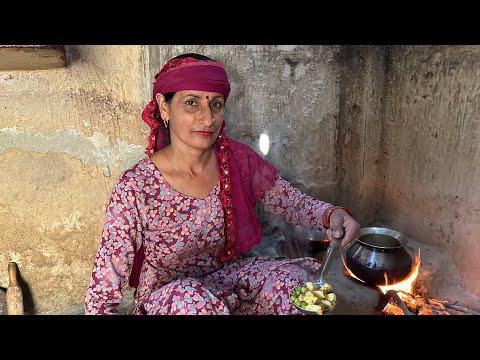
[(166, 122)]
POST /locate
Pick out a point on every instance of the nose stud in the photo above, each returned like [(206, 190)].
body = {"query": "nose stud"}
[(213, 119)]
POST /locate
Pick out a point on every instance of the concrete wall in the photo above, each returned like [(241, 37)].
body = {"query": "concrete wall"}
[(360, 127), (409, 130), (65, 134), (431, 149)]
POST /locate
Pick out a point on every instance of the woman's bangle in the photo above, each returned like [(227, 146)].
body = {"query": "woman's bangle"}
[(327, 213)]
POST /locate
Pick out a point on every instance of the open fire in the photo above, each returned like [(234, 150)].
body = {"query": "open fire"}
[(405, 285), (400, 298)]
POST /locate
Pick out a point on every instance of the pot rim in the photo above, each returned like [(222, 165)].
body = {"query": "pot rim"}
[(402, 239)]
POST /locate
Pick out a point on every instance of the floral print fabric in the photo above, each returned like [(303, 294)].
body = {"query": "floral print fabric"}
[(182, 273)]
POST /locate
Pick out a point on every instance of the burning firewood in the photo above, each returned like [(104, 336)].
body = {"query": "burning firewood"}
[(392, 309), (403, 303)]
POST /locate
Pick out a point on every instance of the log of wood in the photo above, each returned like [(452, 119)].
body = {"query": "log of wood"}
[(14, 292), (392, 309), (399, 302), (408, 304)]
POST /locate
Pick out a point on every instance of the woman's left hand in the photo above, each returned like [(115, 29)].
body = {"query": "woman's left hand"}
[(342, 224)]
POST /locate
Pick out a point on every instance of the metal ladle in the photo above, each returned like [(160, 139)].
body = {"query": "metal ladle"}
[(324, 268)]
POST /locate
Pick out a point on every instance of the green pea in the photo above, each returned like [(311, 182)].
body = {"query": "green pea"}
[(303, 304), (298, 291)]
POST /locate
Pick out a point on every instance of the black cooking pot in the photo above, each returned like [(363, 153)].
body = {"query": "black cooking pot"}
[(378, 257)]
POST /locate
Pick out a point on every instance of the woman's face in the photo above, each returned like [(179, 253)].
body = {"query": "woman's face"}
[(191, 114)]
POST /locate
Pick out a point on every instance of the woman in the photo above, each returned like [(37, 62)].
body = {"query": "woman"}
[(178, 220)]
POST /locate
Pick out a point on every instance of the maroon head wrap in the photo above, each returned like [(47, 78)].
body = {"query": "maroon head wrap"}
[(202, 75)]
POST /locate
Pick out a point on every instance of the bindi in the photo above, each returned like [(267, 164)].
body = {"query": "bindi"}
[(206, 97)]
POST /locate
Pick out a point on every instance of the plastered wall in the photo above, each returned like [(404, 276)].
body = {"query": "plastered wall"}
[(431, 149), (64, 135)]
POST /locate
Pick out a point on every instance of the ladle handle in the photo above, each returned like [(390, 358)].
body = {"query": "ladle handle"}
[(327, 259)]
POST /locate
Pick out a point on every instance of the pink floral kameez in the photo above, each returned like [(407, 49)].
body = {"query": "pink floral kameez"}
[(182, 235)]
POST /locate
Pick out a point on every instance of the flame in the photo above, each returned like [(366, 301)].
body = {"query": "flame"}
[(404, 285)]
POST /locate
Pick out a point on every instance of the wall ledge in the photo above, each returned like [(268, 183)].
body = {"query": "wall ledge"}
[(32, 57)]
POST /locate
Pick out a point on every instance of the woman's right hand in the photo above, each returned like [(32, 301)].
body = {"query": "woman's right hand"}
[(344, 226)]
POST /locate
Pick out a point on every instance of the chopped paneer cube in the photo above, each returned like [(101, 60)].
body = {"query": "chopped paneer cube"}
[(326, 288), (317, 308), (327, 303), (319, 294), (332, 297)]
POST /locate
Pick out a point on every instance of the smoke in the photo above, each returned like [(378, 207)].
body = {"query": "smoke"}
[(299, 241)]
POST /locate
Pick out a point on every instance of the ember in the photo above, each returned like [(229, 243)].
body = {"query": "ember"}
[(417, 305)]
